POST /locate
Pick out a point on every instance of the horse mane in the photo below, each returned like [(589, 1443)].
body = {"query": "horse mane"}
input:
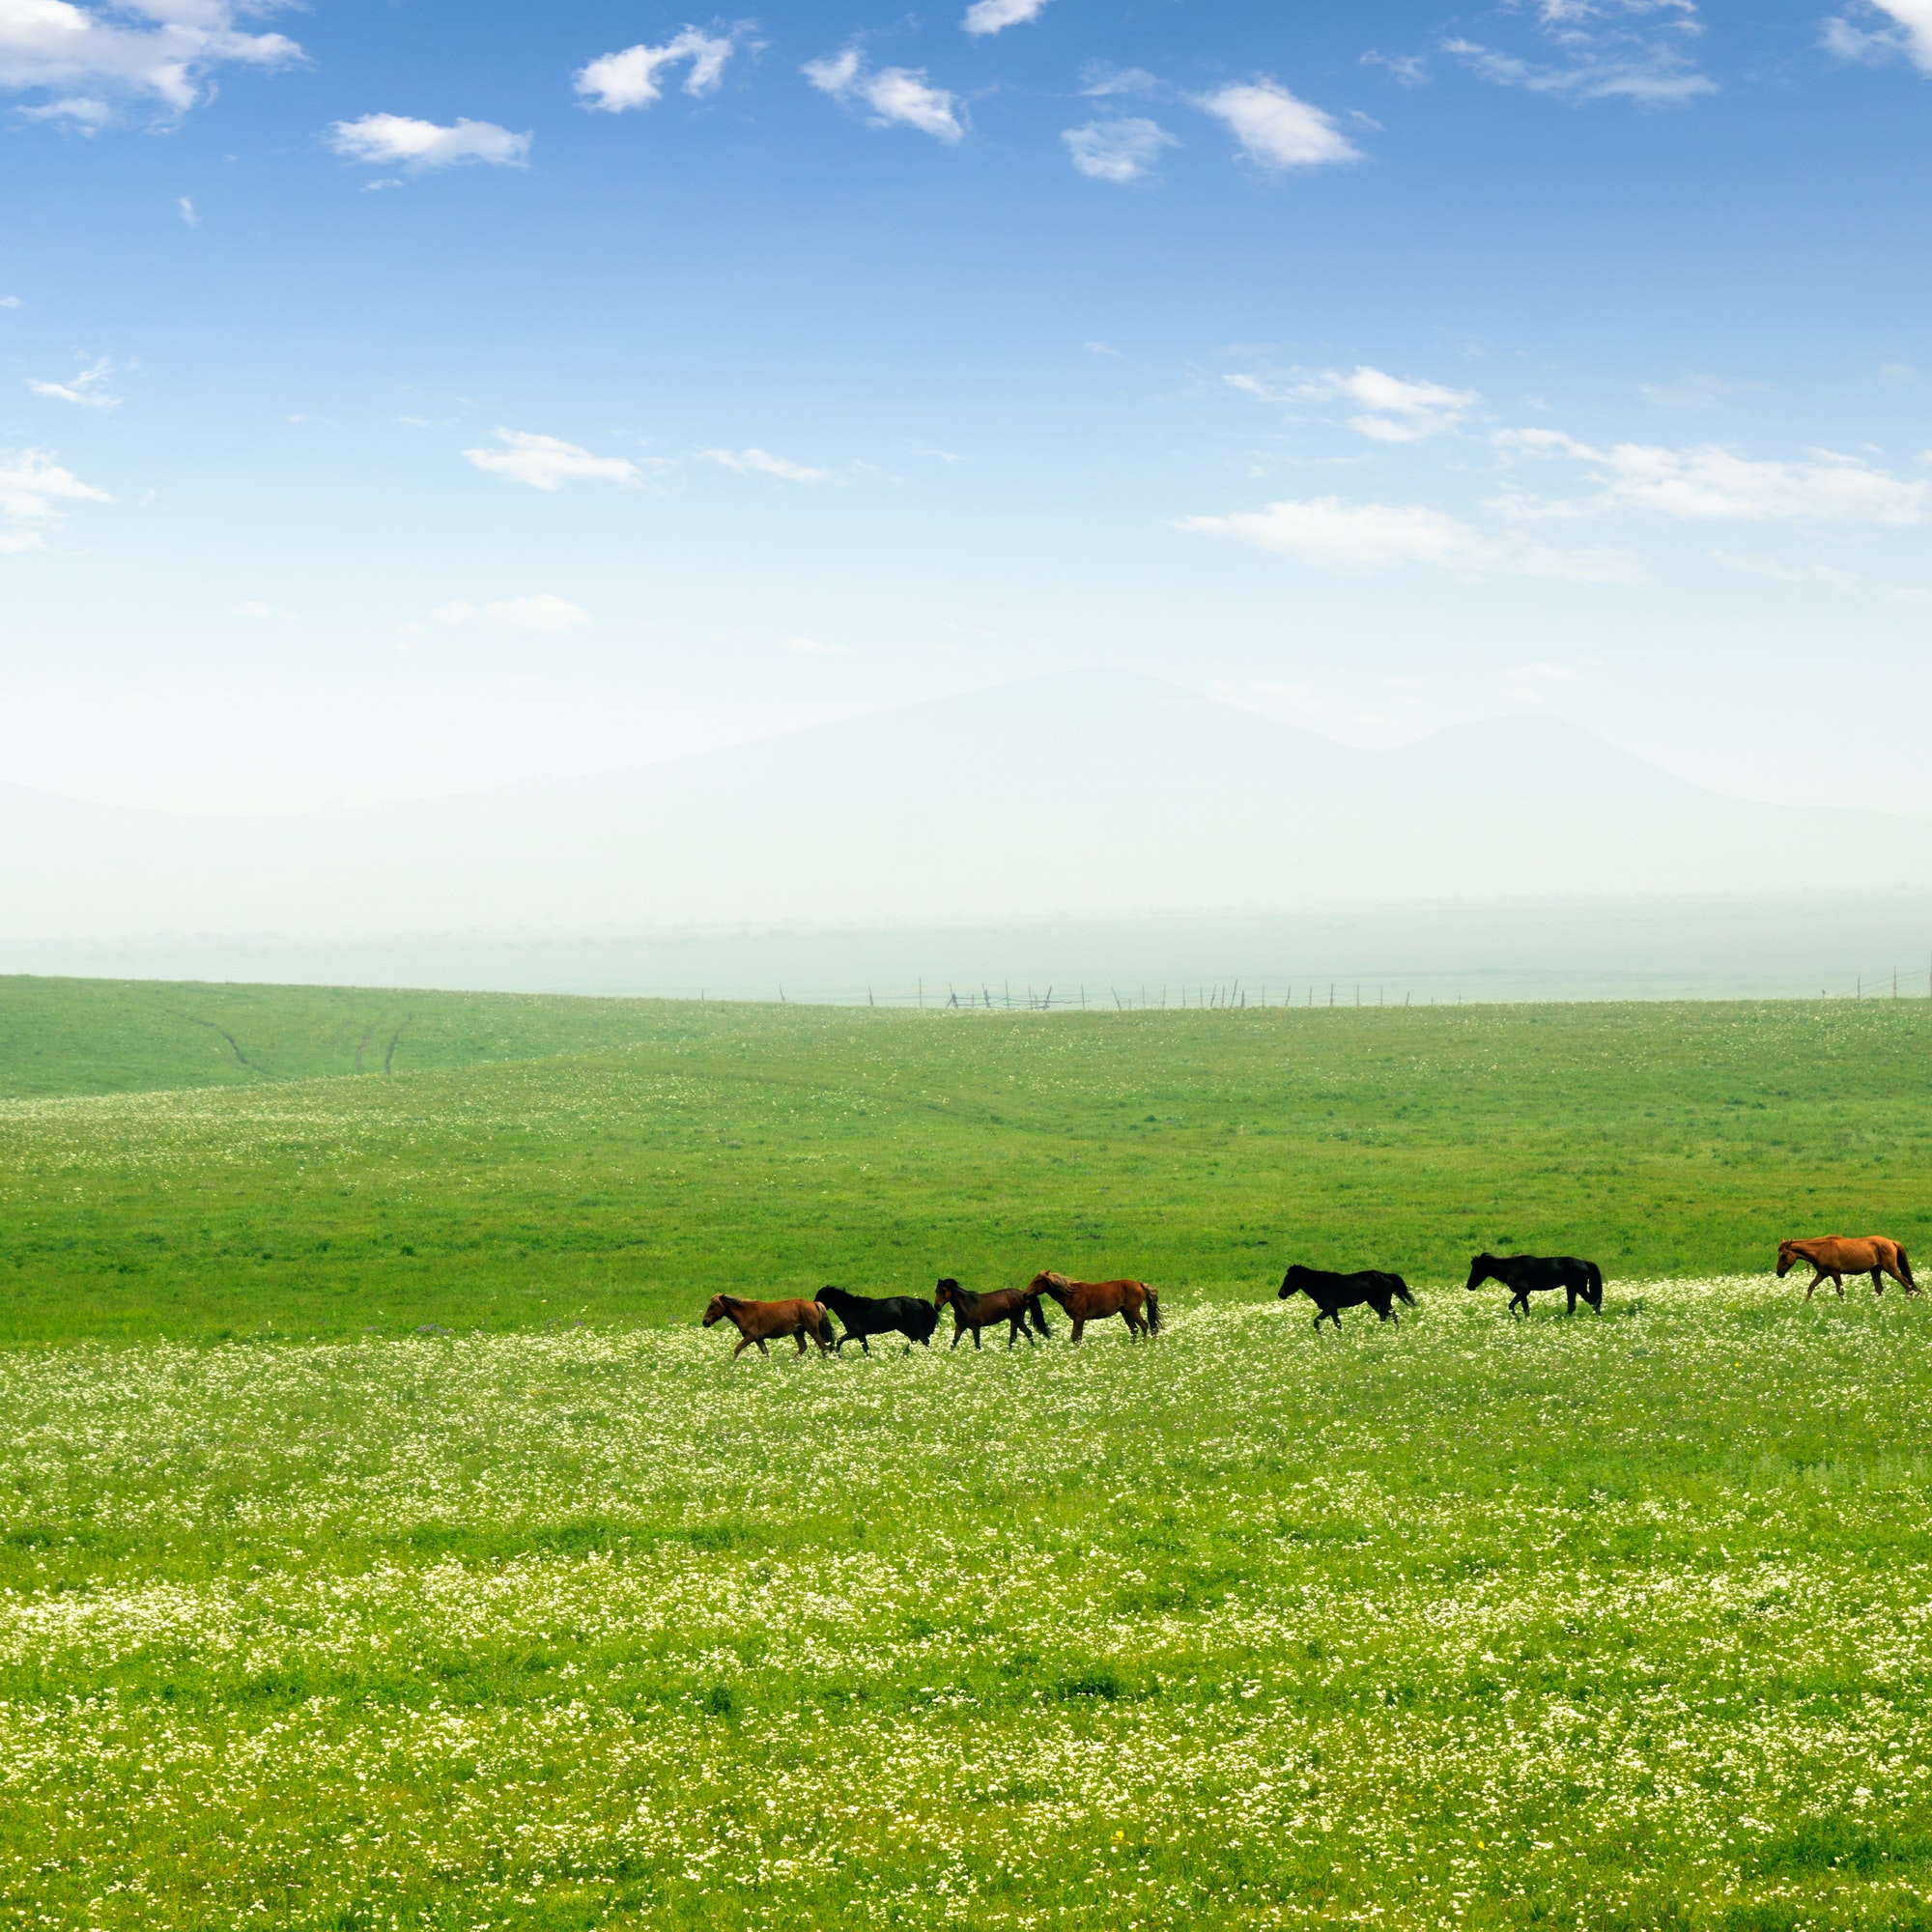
[(1054, 1275)]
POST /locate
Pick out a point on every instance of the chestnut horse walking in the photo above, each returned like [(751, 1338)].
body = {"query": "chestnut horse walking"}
[(755, 1321), (1014, 1306), (1136, 1303), (1833, 1257)]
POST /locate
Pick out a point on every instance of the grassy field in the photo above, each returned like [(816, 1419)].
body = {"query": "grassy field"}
[(1622, 1622), (616, 1162)]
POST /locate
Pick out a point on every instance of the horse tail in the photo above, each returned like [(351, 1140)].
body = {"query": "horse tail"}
[(1153, 1311), (1039, 1315), (1595, 1276), (1402, 1288), (1904, 1265)]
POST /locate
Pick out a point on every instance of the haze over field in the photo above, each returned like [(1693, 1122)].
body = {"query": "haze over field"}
[(1081, 795)]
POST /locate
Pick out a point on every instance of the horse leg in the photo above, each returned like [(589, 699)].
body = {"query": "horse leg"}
[(977, 1343), (1877, 1284), (959, 1335), (744, 1342), (799, 1338), (1569, 1288), (762, 1349), (1079, 1329)]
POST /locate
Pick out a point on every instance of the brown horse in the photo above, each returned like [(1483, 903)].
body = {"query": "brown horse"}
[(1833, 1257), (755, 1321), (1014, 1306), (1136, 1303)]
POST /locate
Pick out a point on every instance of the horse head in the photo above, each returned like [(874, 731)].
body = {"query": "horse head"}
[(945, 1293), (1480, 1268), (1288, 1284), (1787, 1256), (716, 1311)]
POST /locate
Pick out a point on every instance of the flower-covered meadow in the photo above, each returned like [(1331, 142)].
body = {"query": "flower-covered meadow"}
[(1611, 1621)]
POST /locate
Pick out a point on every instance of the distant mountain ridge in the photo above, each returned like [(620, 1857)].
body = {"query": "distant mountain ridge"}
[(1083, 794)]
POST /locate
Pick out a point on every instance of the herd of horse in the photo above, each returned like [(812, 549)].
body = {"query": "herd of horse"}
[(860, 1317)]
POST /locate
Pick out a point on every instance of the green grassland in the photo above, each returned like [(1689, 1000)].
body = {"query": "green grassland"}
[(1612, 1622), (616, 1161)]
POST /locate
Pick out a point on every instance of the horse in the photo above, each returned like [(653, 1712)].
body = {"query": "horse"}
[(1014, 1306), (1136, 1303), (867, 1315), (755, 1321), (1524, 1275), (1333, 1293), (1833, 1257)]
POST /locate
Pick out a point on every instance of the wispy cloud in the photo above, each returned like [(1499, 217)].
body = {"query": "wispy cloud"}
[(188, 212), (1406, 70), (541, 612), (1276, 129), (812, 647), (389, 140), (1392, 408), (549, 463), (989, 16), (897, 96), (1907, 31), (1339, 535), (763, 463), (33, 488), (1117, 150), (88, 388), (615, 82), (162, 50), (1708, 483), (1636, 50), (1694, 391)]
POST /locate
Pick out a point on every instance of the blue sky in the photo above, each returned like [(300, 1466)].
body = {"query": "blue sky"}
[(396, 398)]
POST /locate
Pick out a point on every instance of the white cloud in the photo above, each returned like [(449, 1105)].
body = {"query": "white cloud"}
[(1910, 34), (763, 463), (1117, 150), (1605, 50), (1393, 409), (1693, 391), (541, 612), (88, 388), (810, 647), (549, 463), (1277, 131), (32, 488), (1898, 372), (386, 140), (188, 212), (1708, 483), (615, 82), (1099, 349), (988, 16), (1100, 78), (1379, 536), (11, 302), (897, 96), (162, 49), (1406, 69), (84, 113), (1756, 563)]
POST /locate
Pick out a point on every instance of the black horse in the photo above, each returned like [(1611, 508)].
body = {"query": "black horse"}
[(1014, 1306), (1333, 1293), (867, 1315), (1524, 1275)]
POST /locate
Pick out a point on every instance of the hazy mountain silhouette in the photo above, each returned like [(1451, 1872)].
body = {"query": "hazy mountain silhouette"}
[(1087, 793)]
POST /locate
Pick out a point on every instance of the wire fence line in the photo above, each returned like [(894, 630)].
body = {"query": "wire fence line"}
[(1238, 995)]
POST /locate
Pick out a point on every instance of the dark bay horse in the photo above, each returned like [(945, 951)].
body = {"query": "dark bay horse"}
[(756, 1320), (866, 1315), (1014, 1306), (1333, 1293), (1524, 1275), (1136, 1303), (1833, 1257)]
